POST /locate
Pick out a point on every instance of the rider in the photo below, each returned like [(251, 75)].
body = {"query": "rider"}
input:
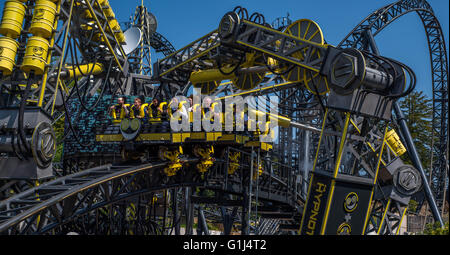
[(174, 106), (137, 110), (120, 110), (154, 111)]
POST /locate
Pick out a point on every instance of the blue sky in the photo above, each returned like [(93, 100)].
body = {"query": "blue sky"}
[(184, 21)]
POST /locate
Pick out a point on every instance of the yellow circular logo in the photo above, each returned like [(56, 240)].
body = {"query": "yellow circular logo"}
[(344, 229), (38, 51), (351, 202)]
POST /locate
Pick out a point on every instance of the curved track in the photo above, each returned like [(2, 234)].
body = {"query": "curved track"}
[(161, 44), (63, 201), (56, 202)]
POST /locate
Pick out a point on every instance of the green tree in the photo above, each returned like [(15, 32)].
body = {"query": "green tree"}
[(435, 229), (417, 108), (58, 128)]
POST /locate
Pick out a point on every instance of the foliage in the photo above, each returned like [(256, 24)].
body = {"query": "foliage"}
[(58, 128), (418, 111), (412, 206), (435, 229)]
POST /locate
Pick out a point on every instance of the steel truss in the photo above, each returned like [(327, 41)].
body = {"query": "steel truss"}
[(55, 203), (113, 190), (373, 24)]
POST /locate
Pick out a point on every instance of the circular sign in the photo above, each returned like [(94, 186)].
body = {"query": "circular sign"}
[(351, 202), (43, 144), (152, 23), (344, 229)]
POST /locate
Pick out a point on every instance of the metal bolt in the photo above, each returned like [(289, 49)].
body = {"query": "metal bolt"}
[(343, 72)]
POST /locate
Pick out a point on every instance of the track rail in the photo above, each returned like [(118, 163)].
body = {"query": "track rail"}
[(44, 207), (63, 201), (161, 44)]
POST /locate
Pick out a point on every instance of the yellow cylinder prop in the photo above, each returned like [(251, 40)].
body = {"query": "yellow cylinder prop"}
[(114, 25), (120, 37), (282, 121), (87, 14), (8, 50), (12, 20), (109, 13), (98, 37), (103, 3), (117, 30), (88, 26), (85, 69), (43, 18), (211, 75), (395, 143), (35, 55)]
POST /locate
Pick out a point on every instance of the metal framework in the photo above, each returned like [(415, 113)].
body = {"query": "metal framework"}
[(374, 24), (247, 188)]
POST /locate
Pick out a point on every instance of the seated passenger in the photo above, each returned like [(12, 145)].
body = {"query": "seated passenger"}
[(174, 106), (189, 106), (145, 109), (154, 111), (157, 112), (137, 110), (164, 112), (190, 109), (210, 108), (120, 110), (191, 102)]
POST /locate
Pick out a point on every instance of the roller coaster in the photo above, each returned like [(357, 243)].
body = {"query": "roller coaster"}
[(326, 162)]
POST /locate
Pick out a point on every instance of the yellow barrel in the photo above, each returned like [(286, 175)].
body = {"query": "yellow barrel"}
[(12, 19), (395, 143), (43, 18), (120, 37), (87, 14), (103, 3), (98, 37), (88, 26), (109, 13), (114, 24), (35, 55), (83, 70), (282, 121), (8, 50), (211, 75), (117, 30)]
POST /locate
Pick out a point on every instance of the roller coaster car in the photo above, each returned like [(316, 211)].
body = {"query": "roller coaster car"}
[(138, 137)]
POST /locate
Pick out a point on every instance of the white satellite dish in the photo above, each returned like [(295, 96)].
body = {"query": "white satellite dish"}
[(152, 23), (133, 37)]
